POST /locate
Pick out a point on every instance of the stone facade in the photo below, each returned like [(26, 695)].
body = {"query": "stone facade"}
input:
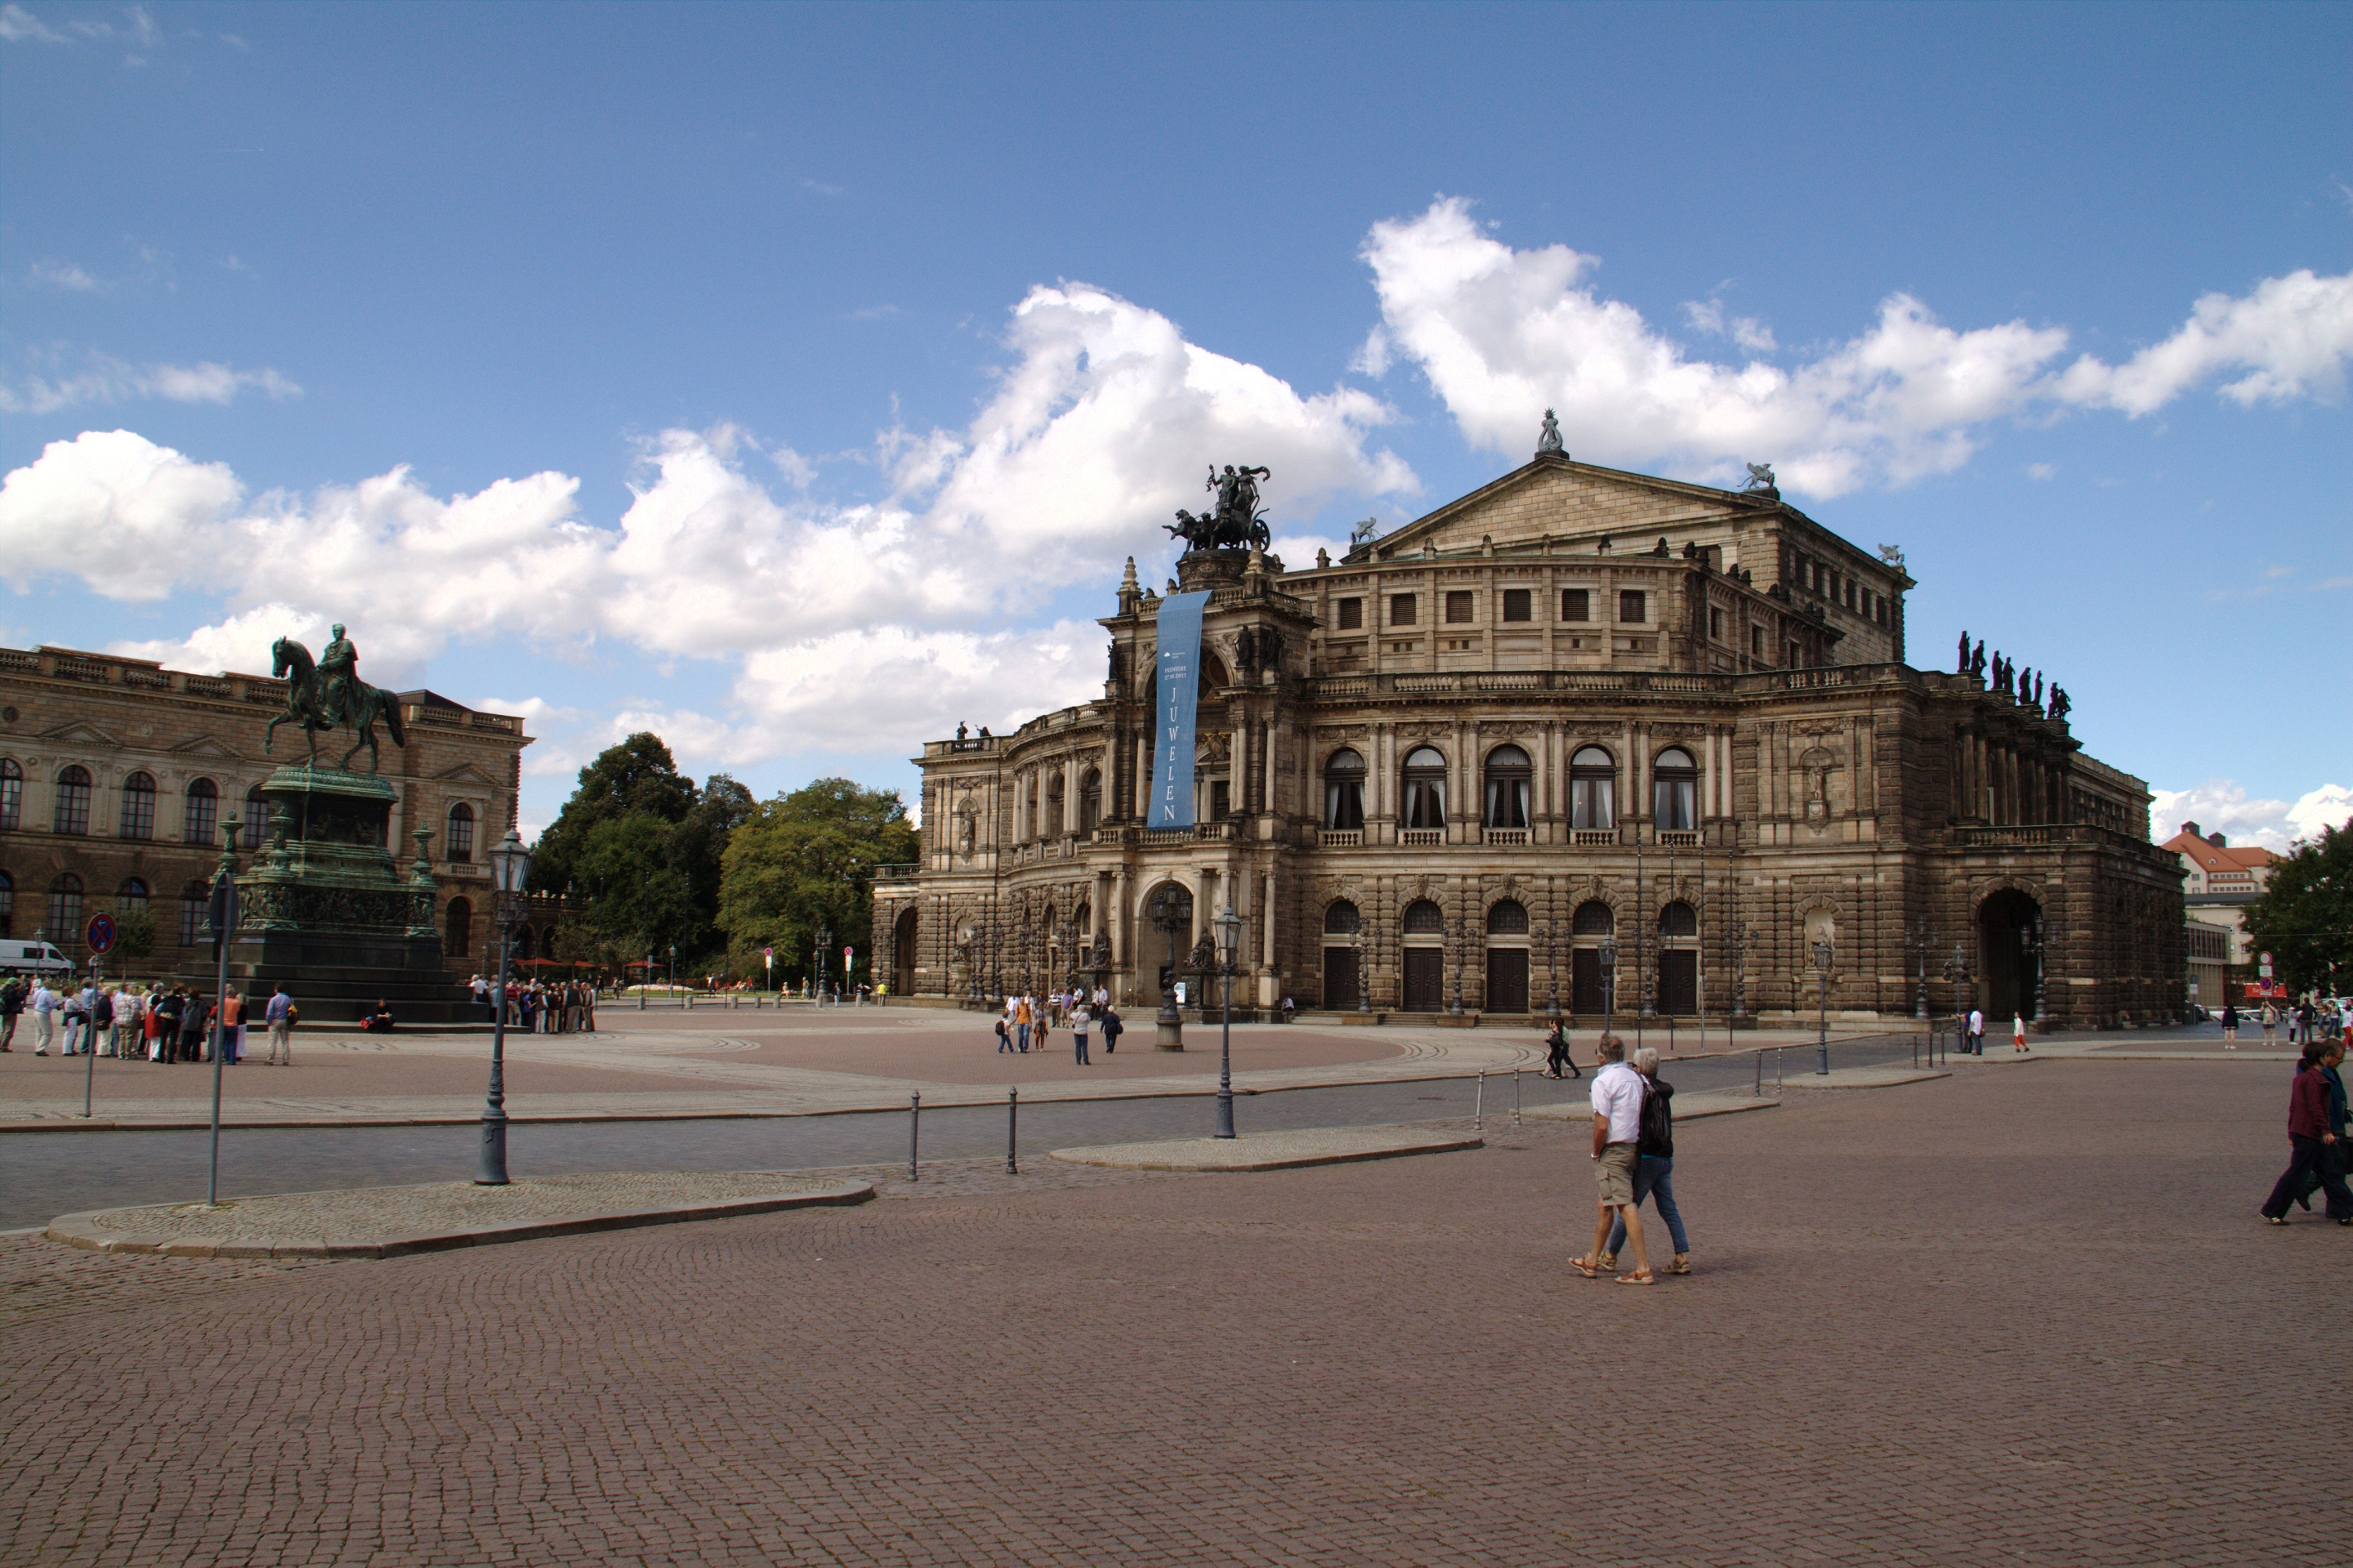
[(116, 775), (1576, 708)]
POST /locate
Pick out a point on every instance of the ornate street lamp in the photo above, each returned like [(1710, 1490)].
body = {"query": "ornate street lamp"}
[(1957, 975), (1609, 982), (817, 966), (1170, 914), (1552, 972), (1822, 977), (1924, 937), (510, 868), (1228, 928), (1455, 939), (2029, 939)]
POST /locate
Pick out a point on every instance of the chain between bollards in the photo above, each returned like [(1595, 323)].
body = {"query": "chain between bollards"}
[(914, 1132), (1012, 1122)]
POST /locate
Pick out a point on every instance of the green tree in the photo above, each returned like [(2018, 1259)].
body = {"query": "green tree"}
[(805, 859), (639, 901), (2304, 916), (637, 775), (135, 930)]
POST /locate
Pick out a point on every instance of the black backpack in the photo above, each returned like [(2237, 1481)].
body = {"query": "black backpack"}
[(1658, 1124)]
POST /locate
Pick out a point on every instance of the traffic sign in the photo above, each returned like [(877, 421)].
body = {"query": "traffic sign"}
[(99, 933), (2263, 957)]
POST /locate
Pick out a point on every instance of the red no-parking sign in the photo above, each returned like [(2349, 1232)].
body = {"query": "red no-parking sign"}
[(99, 933)]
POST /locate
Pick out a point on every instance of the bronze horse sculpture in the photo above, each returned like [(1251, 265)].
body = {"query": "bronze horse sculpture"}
[(309, 704)]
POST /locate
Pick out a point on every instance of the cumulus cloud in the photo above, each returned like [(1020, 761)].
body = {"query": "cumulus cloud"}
[(1501, 333), (896, 612), (2224, 806), (102, 379)]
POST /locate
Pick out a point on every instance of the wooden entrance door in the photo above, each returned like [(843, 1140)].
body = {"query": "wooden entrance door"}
[(1585, 981), (1425, 980), (1678, 982), (1507, 979), (1340, 980)]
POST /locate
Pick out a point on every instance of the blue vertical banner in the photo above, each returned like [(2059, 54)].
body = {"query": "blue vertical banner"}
[(1180, 641)]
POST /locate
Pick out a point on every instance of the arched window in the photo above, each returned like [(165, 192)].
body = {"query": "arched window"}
[(1675, 791), (459, 843), (522, 943), (201, 812), (7, 902), (138, 807), (1343, 791), (459, 922), (1423, 919), (1593, 918), (1082, 920), (64, 909), (248, 835), (131, 898), (1425, 788), (1593, 790), (72, 813), (1090, 800), (192, 900), (1054, 803), (1509, 917), (11, 792), (1341, 919), (1508, 772), (1678, 919)]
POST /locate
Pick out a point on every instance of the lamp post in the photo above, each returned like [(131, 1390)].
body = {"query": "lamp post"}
[(1822, 979), (1924, 937), (1455, 939), (1170, 913), (1609, 982), (1229, 926), (816, 961), (673, 967), (1552, 972), (510, 865), (1741, 934), (1957, 974), (2030, 937)]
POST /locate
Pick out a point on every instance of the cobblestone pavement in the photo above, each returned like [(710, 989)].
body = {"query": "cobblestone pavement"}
[(1995, 1318)]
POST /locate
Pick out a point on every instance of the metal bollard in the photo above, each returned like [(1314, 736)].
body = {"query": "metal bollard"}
[(914, 1132), (1479, 1106), (1012, 1121), (1760, 1072), (1515, 1097)]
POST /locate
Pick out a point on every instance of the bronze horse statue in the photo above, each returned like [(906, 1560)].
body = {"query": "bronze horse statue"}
[(306, 704)]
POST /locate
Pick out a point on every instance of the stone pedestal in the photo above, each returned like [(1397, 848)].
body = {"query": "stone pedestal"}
[(327, 912)]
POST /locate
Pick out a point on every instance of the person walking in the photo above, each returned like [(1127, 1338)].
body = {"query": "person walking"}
[(2230, 1027), (1111, 1026), (1617, 1099), (1976, 1031), (2271, 1024), (12, 1007), (1004, 1036), (1556, 1054), (279, 1016), (1079, 1032), (2312, 1147), (45, 1017), (1023, 1016), (73, 1012), (1654, 1167), (2018, 1032), (2330, 1055)]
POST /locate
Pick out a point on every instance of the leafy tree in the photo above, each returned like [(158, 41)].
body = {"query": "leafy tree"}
[(2304, 916), (637, 775), (639, 902), (135, 930), (805, 859)]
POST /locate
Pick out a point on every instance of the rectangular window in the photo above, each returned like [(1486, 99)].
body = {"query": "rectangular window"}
[(1757, 642), (194, 919), (1400, 609), (1516, 605), (1220, 800), (1460, 608), (1850, 593), (1576, 604), (1715, 625), (1351, 614), (1632, 609), (1883, 609)]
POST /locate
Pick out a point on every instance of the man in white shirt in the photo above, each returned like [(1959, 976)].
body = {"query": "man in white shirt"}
[(1977, 1032), (1617, 1092), (45, 1017)]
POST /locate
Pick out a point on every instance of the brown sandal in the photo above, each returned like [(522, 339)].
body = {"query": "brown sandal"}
[(1584, 1267), (1643, 1276)]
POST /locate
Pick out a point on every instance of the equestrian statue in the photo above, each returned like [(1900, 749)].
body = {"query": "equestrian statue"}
[(329, 693)]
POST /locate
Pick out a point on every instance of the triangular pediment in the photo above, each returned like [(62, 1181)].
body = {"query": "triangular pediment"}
[(466, 773), (79, 732), (205, 746), (1563, 502)]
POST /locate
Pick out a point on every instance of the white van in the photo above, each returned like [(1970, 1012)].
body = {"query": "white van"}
[(33, 958)]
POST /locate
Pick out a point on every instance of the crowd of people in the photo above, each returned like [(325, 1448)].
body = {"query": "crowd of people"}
[(542, 1007), (141, 1022), (1029, 1022)]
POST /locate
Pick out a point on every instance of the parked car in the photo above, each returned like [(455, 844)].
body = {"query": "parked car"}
[(33, 958)]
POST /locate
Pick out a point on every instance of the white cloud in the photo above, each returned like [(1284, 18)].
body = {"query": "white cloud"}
[(852, 627), (18, 25), (104, 380), (62, 275), (2224, 806), (1501, 335), (2041, 471)]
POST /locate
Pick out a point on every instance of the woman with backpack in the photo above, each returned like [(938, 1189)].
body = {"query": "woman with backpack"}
[(1654, 1163)]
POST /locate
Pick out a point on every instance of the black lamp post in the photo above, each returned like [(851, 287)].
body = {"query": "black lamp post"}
[(1170, 914), (1552, 972), (673, 967), (1609, 982), (510, 866), (2030, 937), (1455, 938), (824, 941), (1228, 928), (1924, 937), (1957, 974), (1822, 977)]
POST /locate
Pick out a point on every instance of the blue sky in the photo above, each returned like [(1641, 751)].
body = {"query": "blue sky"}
[(793, 380)]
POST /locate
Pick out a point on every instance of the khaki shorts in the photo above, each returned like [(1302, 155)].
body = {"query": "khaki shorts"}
[(1615, 1171)]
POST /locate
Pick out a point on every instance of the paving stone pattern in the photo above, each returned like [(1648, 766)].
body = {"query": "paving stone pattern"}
[(2021, 1317)]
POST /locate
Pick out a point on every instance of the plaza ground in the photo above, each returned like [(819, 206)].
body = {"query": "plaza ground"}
[(2014, 1316)]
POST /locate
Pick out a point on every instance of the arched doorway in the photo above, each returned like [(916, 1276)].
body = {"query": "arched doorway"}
[(1679, 959), (1507, 958), (903, 934), (1593, 921), (1343, 989), (1424, 930), (2005, 956)]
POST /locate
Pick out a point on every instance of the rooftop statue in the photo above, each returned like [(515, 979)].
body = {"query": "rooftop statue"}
[(1760, 480), (1236, 525), (328, 695), (1549, 441)]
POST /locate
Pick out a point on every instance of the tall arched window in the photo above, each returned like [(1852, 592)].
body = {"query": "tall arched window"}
[(1593, 790), (1675, 791), (138, 807), (1343, 791), (1508, 772), (1509, 917), (1340, 918), (11, 792), (193, 899), (460, 920), (7, 904), (1425, 788), (1090, 800), (1678, 919), (64, 909), (131, 898), (248, 833), (200, 812), (72, 813), (1054, 804), (458, 844), (1423, 919), (1593, 918)]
